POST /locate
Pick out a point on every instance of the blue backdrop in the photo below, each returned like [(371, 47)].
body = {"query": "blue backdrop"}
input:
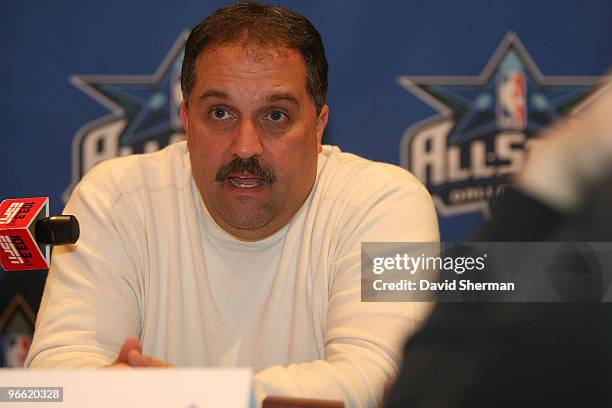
[(396, 69)]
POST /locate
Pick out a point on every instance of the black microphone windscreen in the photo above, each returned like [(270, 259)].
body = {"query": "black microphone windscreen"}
[(57, 230)]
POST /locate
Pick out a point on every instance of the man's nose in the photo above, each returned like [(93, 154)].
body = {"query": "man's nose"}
[(247, 140)]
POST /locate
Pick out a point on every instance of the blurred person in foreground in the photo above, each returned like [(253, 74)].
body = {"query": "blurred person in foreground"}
[(531, 354), (240, 247)]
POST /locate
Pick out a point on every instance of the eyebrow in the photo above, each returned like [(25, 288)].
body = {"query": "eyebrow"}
[(270, 97), (283, 96), (214, 94)]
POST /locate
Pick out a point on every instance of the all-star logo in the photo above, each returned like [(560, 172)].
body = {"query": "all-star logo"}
[(144, 118), (465, 154)]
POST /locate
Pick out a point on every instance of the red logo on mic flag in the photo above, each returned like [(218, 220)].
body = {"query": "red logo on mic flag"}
[(18, 249)]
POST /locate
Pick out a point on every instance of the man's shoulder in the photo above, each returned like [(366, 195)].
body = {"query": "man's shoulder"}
[(342, 173), (155, 170), (362, 200)]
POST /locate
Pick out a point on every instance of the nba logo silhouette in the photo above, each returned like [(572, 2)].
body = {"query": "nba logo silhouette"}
[(511, 112)]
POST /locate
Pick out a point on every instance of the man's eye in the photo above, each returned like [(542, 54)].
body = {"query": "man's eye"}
[(277, 116), (220, 113)]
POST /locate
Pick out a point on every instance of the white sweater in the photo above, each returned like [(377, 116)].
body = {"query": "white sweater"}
[(152, 263)]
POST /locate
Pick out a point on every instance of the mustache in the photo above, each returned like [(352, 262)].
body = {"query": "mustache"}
[(250, 165)]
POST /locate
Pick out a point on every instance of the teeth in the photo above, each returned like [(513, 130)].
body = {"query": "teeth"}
[(237, 182)]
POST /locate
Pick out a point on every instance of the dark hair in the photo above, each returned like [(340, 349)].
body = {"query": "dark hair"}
[(261, 25)]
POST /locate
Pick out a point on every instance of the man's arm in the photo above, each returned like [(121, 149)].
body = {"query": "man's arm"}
[(90, 303), (363, 341)]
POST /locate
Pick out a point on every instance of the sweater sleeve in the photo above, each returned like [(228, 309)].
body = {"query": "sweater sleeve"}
[(363, 341), (90, 302)]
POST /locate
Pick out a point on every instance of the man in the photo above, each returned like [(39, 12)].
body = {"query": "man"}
[(240, 247)]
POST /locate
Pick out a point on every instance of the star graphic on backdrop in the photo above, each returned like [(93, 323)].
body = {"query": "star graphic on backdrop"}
[(471, 100), (149, 103)]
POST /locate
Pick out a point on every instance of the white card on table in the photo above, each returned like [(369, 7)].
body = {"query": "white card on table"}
[(151, 387)]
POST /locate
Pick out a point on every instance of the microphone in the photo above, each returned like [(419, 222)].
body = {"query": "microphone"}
[(27, 231)]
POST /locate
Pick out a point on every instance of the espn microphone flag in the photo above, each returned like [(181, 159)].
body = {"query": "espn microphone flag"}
[(18, 248), (26, 230)]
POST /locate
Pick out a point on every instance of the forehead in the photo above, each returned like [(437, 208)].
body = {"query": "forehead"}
[(252, 67)]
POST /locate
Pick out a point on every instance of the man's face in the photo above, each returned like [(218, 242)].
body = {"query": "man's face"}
[(253, 136)]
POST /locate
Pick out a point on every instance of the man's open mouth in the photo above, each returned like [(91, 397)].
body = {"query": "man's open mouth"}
[(245, 181)]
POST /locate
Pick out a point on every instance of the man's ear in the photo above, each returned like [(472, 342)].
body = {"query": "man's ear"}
[(184, 116), (321, 125)]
